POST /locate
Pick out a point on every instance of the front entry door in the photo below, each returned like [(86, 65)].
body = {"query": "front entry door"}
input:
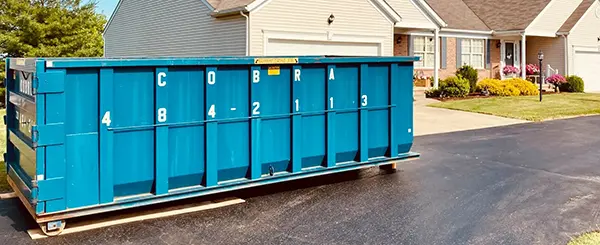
[(509, 54)]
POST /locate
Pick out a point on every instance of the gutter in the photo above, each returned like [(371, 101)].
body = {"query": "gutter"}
[(467, 31), (508, 33), (566, 52), (247, 32), (229, 12)]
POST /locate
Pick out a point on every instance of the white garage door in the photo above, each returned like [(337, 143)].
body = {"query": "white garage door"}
[(587, 66), (281, 47)]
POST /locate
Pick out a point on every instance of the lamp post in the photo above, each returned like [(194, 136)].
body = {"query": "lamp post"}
[(541, 58)]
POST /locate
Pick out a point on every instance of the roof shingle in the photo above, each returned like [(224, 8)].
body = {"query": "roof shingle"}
[(577, 14), (457, 15), (506, 15)]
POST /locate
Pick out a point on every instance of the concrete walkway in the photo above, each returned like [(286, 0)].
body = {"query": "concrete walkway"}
[(429, 120)]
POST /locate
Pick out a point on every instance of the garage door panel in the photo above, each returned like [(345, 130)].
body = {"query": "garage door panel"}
[(587, 66), (302, 47)]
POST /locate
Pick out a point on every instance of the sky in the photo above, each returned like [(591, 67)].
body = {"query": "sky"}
[(106, 7)]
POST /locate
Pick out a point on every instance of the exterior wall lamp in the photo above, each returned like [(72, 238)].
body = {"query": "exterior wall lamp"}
[(331, 19)]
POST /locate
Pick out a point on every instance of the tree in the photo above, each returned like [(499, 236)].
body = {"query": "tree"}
[(50, 28)]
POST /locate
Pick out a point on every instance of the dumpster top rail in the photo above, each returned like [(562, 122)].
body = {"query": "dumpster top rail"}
[(30, 64)]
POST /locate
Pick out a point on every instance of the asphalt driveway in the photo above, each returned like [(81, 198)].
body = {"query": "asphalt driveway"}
[(534, 183)]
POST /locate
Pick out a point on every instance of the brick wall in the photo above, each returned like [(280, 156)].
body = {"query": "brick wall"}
[(402, 50), (495, 58)]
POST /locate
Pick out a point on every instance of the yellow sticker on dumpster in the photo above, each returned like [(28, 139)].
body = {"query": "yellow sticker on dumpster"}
[(274, 70), (269, 61), (20, 62)]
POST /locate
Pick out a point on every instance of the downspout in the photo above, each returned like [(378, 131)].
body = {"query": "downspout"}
[(247, 32), (566, 53)]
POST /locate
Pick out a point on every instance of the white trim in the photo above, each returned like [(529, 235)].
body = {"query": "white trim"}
[(566, 54), (392, 17), (322, 37), (516, 48), (112, 16), (508, 33), (468, 31), (256, 5), (387, 12), (418, 33), (471, 53), (429, 26), (465, 35), (585, 15), (423, 5), (581, 48), (210, 7), (431, 35), (436, 58), (523, 56)]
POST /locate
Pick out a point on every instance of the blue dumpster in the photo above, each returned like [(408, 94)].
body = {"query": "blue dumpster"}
[(86, 136)]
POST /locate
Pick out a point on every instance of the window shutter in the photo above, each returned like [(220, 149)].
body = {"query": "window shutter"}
[(488, 51), (411, 49), (444, 53), (458, 53)]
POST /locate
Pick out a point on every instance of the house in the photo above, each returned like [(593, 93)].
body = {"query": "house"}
[(151, 28), (490, 35), (486, 34)]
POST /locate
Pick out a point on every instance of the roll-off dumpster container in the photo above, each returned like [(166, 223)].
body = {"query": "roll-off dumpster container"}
[(94, 135)]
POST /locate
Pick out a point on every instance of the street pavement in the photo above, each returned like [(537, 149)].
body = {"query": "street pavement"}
[(535, 183)]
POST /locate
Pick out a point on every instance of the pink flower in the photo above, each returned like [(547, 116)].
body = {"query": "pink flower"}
[(532, 69), (556, 79), (511, 70)]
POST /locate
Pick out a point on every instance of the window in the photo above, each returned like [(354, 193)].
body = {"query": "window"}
[(423, 47), (472, 51)]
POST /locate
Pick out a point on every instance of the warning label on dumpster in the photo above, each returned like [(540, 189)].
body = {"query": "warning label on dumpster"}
[(274, 70), (269, 61)]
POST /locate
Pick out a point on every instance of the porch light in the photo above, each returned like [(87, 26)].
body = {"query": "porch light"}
[(541, 58), (331, 19)]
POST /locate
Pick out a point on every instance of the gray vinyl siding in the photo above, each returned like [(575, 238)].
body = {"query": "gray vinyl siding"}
[(175, 28)]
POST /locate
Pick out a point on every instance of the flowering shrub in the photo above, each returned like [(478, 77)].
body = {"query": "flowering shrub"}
[(556, 79), (511, 70), (532, 69), (420, 75)]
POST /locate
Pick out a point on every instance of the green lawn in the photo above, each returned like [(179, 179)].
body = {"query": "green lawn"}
[(4, 187), (592, 238), (528, 107)]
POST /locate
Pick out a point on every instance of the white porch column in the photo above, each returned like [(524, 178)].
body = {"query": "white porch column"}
[(436, 51), (523, 55)]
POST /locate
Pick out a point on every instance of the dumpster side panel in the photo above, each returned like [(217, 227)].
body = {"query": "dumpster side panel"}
[(81, 129), (186, 144), (403, 97), (310, 102), (132, 119)]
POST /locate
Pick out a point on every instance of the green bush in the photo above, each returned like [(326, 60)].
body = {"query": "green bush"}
[(433, 93), (469, 73), (450, 87), (525, 87), (498, 88), (574, 84), (454, 87)]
